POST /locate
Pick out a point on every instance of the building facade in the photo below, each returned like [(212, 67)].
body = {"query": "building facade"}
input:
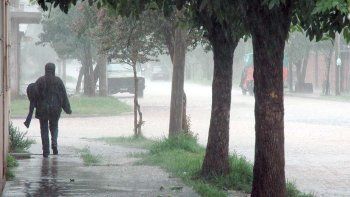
[(4, 90)]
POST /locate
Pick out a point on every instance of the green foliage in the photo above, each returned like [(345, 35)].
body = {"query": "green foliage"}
[(18, 140), (133, 141), (321, 18), (11, 163), (82, 106), (292, 191), (88, 158), (98, 106), (183, 157), (182, 141)]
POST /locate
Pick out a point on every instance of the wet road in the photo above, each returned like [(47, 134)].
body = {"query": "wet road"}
[(317, 132)]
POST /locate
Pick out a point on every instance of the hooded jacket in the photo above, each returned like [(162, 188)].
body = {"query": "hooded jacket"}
[(52, 95)]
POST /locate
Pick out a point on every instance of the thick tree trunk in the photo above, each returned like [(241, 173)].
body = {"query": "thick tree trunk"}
[(327, 88), (216, 161), (177, 89), (89, 85), (269, 29), (169, 28), (185, 119), (102, 76), (299, 66), (337, 69), (303, 71), (80, 77), (269, 177)]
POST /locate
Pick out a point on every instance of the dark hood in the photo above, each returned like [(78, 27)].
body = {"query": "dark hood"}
[(50, 69)]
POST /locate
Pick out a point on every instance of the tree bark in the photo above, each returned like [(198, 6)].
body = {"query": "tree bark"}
[(269, 29), (89, 85), (80, 77), (299, 66), (216, 161), (177, 89), (303, 71), (103, 75), (327, 89), (337, 69), (169, 28), (316, 69), (137, 110)]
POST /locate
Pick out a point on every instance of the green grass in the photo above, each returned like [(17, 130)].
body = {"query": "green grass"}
[(292, 191), (137, 142), (11, 163), (182, 156), (81, 106), (344, 97), (88, 158)]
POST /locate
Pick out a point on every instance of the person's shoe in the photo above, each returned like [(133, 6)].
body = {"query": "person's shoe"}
[(45, 155), (55, 151)]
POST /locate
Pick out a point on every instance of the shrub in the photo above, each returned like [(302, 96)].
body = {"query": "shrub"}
[(182, 141), (11, 163), (18, 140)]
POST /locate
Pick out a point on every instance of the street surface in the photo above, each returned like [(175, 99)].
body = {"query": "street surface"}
[(317, 132)]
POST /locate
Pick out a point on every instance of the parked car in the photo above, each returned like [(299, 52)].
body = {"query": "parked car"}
[(247, 79), (120, 78), (159, 73)]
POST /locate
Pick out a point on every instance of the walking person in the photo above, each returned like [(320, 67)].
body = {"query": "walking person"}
[(51, 99)]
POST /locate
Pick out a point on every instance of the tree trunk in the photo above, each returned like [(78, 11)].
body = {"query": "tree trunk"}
[(269, 177), (137, 110), (103, 75), (216, 161), (337, 80), (177, 89), (304, 69), (80, 77), (269, 29), (299, 66), (89, 87), (326, 85)]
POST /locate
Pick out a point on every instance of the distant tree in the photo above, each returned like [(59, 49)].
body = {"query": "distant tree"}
[(131, 41), (298, 49), (71, 36)]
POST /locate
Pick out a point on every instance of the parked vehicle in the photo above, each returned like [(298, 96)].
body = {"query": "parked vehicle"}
[(247, 79), (120, 78), (159, 73)]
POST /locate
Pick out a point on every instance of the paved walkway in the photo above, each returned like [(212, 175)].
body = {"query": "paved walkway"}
[(66, 175)]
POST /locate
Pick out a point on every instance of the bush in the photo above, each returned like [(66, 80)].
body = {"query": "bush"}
[(11, 163), (182, 141), (292, 191), (18, 140)]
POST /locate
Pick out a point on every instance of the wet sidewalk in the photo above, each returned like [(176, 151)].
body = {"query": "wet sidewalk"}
[(66, 174)]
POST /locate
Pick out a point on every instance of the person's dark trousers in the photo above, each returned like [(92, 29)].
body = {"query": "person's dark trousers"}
[(45, 125)]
